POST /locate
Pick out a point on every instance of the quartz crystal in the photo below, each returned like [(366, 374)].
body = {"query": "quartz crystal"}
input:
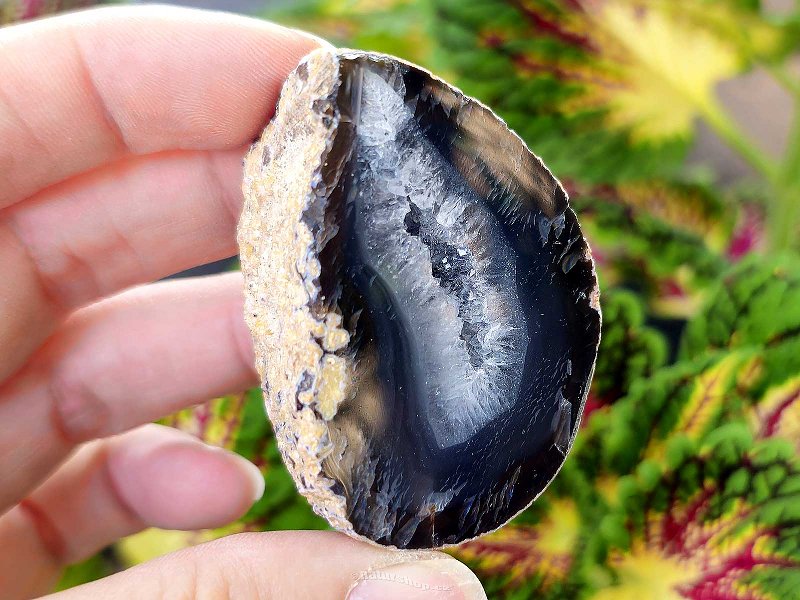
[(423, 304)]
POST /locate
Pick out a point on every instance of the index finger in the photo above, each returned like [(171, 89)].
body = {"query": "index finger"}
[(91, 87)]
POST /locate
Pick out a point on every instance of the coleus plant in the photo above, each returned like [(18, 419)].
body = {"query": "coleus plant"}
[(685, 481), (20, 10)]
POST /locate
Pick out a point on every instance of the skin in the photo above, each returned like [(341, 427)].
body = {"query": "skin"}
[(123, 131)]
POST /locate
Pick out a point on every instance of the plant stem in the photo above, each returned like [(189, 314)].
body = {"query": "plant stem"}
[(782, 220), (782, 179), (785, 78), (724, 126)]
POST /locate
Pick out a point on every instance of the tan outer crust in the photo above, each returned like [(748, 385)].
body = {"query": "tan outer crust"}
[(294, 348)]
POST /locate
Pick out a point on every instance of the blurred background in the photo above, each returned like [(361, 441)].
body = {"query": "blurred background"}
[(675, 126), (763, 107)]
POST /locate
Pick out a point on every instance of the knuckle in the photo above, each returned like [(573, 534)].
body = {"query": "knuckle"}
[(79, 412)]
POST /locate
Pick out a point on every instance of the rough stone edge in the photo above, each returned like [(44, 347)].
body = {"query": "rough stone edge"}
[(303, 379)]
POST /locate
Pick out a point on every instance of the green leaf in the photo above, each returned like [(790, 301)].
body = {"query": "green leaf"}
[(93, 568), (756, 305), (395, 27), (665, 240), (688, 398), (603, 91), (665, 254), (718, 534), (628, 349), (757, 302)]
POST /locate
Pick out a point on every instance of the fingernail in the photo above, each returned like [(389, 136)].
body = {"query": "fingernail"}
[(432, 579), (253, 473)]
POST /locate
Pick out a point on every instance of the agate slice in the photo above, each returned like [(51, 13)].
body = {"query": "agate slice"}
[(423, 303)]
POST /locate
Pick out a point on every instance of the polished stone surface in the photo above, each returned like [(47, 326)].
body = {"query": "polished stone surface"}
[(442, 257)]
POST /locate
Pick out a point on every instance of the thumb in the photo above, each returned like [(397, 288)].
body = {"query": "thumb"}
[(290, 564)]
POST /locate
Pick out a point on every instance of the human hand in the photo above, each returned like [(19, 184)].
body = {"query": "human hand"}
[(122, 132)]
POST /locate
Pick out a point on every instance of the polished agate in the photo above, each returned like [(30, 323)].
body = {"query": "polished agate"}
[(423, 304)]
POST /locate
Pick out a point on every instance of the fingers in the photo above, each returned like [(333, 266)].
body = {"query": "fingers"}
[(81, 90), (131, 222), (152, 476), (27, 313), (118, 364), (299, 564)]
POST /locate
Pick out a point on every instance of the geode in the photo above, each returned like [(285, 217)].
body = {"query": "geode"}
[(423, 304)]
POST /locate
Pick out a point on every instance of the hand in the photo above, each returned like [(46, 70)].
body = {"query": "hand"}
[(121, 138)]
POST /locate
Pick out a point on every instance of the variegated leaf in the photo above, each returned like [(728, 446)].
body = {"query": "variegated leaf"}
[(714, 519), (604, 90), (21, 10)]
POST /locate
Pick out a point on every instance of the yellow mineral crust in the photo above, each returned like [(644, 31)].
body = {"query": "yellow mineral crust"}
[(304, 380)]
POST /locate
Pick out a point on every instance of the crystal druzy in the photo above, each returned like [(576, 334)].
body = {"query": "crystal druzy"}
[(423, 304)]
